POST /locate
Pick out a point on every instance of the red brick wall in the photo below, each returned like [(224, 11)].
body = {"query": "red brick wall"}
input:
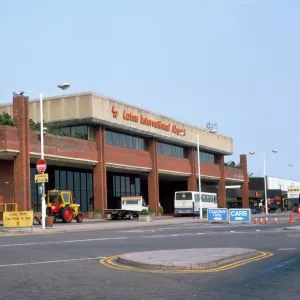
[(100, 184), (9, 138), (64, 146), (153, 182), (6, 175), (234, 173), (165, 162), (22, 161), (209, 169), (245, 185), (125, 156)]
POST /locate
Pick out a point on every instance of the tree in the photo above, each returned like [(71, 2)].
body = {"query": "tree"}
[(6, 119), (232, 164)]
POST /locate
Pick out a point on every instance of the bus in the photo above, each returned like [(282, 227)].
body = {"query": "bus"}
[(183, 202)]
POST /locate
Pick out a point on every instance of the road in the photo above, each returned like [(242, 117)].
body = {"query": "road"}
[(66, 266)]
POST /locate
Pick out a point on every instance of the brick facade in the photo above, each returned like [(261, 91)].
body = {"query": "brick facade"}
[(153, 182), (192, 180), (100, 185), (17, 172), (221, 183), (22, 161), (245, 187)]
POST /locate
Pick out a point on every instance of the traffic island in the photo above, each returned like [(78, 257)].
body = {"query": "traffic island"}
[(209, 259)]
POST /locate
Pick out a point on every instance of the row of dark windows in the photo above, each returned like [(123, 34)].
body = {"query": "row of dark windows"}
[(170, 150), (126, 186), (79, 131), (206, 157), (124, 140)]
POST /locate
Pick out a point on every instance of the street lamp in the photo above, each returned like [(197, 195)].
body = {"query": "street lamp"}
[(63, 87), (265, 181), (210, 128)]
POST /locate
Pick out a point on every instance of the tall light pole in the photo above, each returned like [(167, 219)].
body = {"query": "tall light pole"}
[(265, 179), (210, 128), (63, 87)]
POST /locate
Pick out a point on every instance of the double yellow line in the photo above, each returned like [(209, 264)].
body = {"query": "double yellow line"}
[(110, 263)]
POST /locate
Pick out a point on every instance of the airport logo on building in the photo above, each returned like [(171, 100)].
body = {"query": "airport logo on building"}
[(149, 122)]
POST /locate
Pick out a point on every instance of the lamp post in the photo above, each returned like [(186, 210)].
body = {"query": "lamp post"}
[(210, 128), (265, 179), (63, 87)]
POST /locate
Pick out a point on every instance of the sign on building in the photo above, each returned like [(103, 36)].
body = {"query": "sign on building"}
[(217, 214), (239, 215), (18, 219), (293, 192)]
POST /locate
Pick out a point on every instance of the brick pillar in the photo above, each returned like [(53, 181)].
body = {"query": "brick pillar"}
[(153, 182), (245, 187), (99, 174), (22, 161), (192, 180), (221, 183)]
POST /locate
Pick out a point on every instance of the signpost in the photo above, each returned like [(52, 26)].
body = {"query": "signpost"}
[(18, 219), (239, 215), (40, 178), (217, 215), (41, 166)]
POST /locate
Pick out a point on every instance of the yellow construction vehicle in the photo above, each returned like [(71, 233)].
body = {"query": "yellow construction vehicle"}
[(61, 206)]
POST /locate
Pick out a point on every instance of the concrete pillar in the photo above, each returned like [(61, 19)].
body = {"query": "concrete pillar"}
[(221, 183), (245, 185), (99, 173), (153, 182), (192, 180), (22, 161)]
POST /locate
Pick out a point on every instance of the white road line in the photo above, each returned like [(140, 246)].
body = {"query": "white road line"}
[(62, 242), (286, 249), (52, 261)]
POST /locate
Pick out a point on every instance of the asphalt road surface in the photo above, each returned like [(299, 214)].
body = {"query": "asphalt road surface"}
[(66, 266)]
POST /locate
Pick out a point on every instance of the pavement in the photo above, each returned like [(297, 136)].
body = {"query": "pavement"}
[(83, 264), (103, 224)]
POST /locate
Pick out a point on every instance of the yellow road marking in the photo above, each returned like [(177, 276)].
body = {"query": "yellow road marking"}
[(110, 263)]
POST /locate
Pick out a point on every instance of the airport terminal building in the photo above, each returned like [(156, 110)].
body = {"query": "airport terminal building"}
[(102, 149)]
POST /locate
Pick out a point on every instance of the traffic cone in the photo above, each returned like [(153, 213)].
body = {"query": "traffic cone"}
[(267, 221), (255, 222), (261, 221), (291, 218), (276, 221)]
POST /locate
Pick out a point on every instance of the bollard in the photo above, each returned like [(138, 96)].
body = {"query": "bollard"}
[(193, 210)]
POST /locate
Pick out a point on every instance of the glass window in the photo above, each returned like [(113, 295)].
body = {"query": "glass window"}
[(142, 144), (123, 186), (76, 198), (83, 181), (115, 141), (128, 141), (90, 181), (122, 140), (127, 186), (132, 190), (70, 180), (56, 180), (134, 142), (138, 186), (83, 201), (76, 181), (169, 150), (117, 186), (66, 197), (63, 180), (108, 137)]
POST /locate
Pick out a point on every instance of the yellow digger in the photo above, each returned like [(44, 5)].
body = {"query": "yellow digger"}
[(61, 206)]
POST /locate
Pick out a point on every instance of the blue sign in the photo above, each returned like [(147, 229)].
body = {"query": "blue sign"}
[(239, 215), (217, 214)]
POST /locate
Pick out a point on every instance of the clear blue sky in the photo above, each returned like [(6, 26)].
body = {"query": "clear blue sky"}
[(236, 62)]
